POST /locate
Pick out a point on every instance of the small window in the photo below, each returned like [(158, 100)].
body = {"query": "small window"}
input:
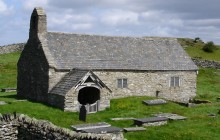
[(122, 83), (175, 82)]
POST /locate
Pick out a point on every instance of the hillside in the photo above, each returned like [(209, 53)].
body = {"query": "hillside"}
[(195, 49)]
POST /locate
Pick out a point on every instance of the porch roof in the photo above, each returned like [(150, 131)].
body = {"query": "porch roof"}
[(72, 79)]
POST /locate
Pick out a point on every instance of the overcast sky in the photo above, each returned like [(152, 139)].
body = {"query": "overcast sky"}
[(167, 18)]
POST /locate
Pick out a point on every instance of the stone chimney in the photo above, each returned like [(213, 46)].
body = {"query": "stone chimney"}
[(38, 23)]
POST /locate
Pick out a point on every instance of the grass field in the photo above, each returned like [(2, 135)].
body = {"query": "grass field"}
[(197, 52), (198, 126), (8, 69)]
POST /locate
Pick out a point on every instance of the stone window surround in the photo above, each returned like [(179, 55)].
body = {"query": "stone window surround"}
[(123, 84), (175, 83)]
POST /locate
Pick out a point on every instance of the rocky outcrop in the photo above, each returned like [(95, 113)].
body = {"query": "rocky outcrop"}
[(206, 63), (20, 127), (11, 48)]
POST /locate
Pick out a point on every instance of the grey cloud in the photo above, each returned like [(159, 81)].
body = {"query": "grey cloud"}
[(181, 18), (175, 18)]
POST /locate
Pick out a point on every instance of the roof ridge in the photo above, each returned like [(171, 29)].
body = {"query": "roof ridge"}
[(113, 36)]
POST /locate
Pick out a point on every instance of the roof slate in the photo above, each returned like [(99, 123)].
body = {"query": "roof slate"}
[(117, 53), (68, 81)]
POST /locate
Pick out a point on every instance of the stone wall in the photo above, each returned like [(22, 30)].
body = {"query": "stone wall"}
[(33, 72), (23, 127), (8, 127), (55, 77), (149, 83), (206, 63), (56, 100), (11, 48)]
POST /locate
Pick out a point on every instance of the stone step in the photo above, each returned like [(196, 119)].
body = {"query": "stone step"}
[(90, 126), (134, 129), (149, 120), (171, 116), (3, 103), (154, 102), (121, 119), (103, 130), (8, 89), (155, 123)]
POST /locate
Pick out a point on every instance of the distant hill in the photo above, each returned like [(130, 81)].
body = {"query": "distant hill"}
[(194, 49)]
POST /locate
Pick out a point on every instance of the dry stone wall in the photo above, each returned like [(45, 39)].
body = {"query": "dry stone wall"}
[(23, 127), (11, 48), (8, 127), (206, 63)]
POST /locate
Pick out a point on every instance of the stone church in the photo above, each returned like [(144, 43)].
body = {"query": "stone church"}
[(70, 70)]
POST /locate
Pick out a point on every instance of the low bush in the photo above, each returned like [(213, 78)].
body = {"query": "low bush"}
[(209, 47)]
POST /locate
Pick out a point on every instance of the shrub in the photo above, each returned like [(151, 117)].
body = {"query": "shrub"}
[(209, 47), (197, 39)]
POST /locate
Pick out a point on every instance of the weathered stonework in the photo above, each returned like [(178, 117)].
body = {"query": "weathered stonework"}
[(206, 63), (72, 104), (23, 127), (155, 123), (139, 84), (54, 77), (12, 48), (33, 73), (148, 83)]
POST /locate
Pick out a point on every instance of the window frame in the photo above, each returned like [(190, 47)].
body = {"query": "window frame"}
[(122, 83), (174, 81)]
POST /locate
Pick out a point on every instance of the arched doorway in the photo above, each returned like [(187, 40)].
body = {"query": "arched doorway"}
[(89, 97)]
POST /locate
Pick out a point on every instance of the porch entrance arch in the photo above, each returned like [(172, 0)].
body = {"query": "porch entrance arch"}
[(89, 97)]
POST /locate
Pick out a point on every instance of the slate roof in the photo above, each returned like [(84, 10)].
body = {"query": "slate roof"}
[(95, 52), (68, 81), (72, 79)]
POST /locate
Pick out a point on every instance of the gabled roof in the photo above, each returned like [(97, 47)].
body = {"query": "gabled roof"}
[(95, 52), (73, 79)]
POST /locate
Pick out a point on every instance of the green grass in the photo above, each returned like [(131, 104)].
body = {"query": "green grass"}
[(8, 69), (198, 126), (208, 84), (197, 52)]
